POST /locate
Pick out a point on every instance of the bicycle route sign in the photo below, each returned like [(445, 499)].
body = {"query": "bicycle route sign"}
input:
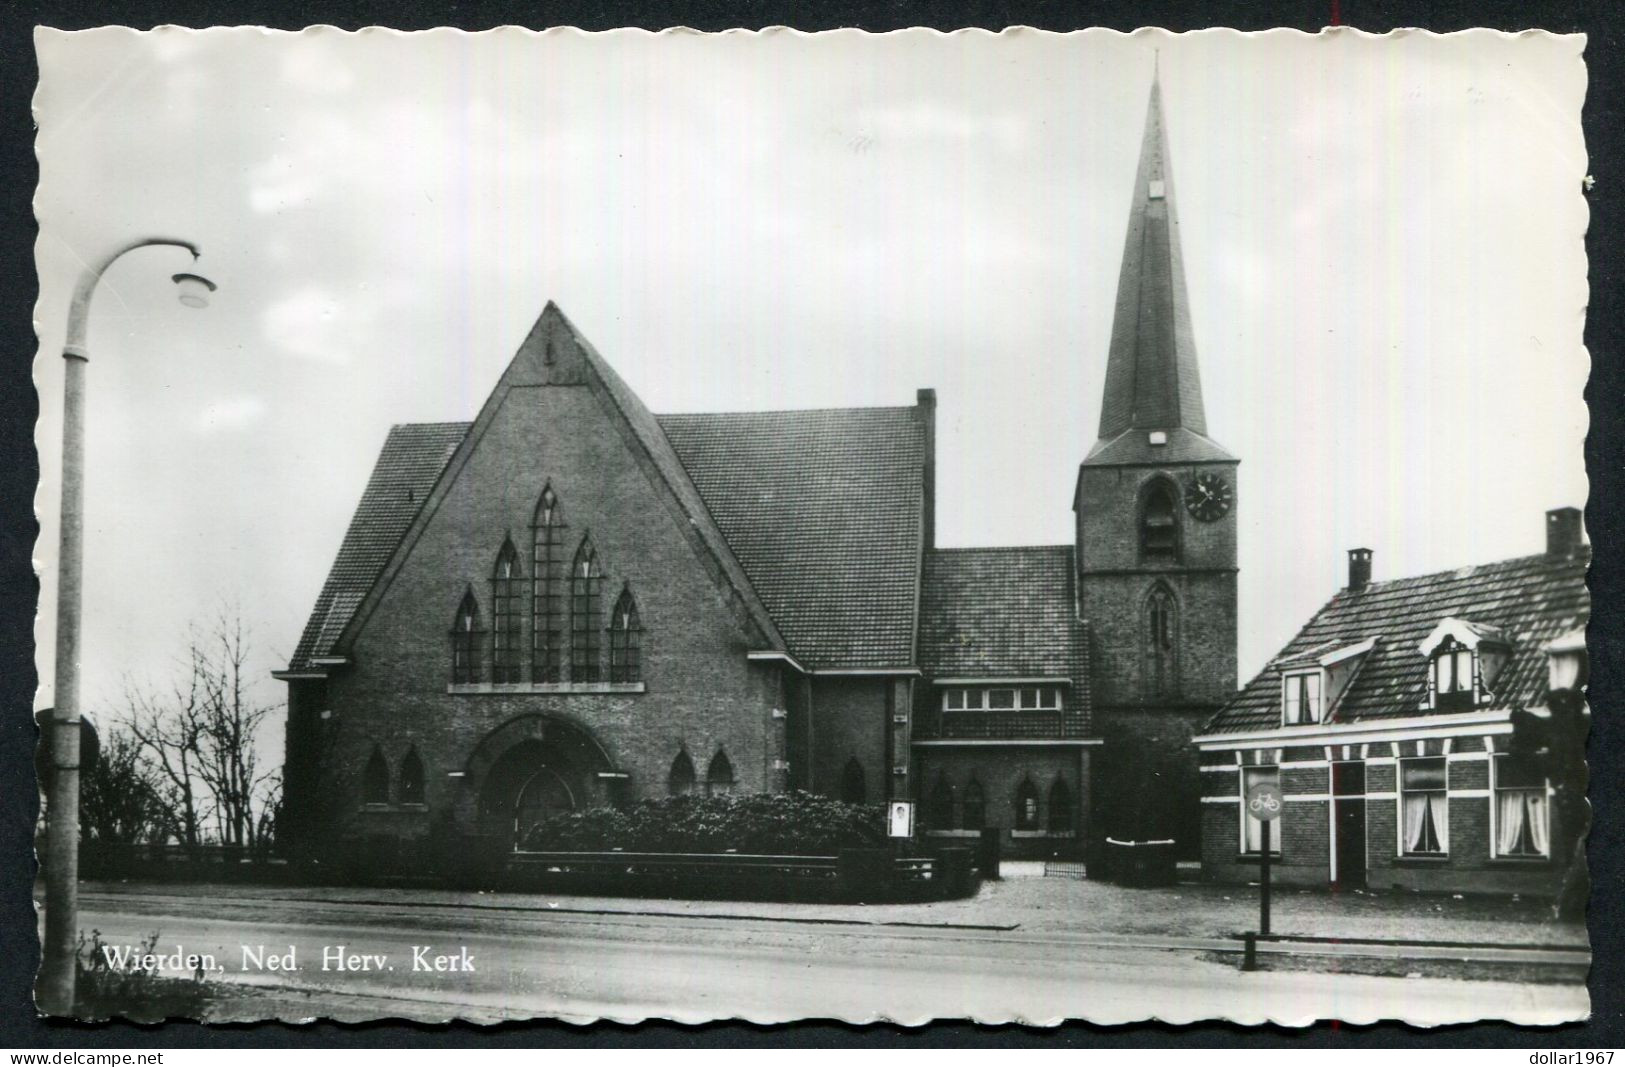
[(1264, 801)]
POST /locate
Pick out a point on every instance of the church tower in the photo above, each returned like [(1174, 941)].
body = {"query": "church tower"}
[(1156, 530)]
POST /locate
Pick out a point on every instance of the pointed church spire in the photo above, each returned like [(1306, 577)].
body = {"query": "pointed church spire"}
[(1151, 376)]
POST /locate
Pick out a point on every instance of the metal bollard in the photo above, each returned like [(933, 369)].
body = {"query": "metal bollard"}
[(1249, 951)]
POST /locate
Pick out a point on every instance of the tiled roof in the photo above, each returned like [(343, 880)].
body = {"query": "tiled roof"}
[(411, 461), (1005, 613), (1533, 600), (838, 580), (823, 509)]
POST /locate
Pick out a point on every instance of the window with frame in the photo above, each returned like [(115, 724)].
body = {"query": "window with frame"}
[(586, 614), (507, 599), (680, 781), (1159, 523), (625, 640), (939, 810), (1252, 830), (1300, 699), (973, 812), (1452, 675), (411, 789), (1026, 805), (1424, 807), (375, 780), (1000, 698), (1522, 812), (548, 589), (1161, 636), (1060, 807), (719, 779), (465, 641), (854, 790)]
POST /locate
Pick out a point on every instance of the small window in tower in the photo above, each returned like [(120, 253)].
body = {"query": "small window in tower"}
[(1159, 524), (1158, 189)]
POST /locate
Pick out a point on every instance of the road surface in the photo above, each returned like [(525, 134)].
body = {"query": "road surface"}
[(544, 960)]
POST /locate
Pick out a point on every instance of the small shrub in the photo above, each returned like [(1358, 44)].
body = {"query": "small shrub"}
[(790, 824), (139, 993)]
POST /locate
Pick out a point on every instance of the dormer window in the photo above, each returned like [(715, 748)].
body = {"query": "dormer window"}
[(1566, 661), (1301, 698), (1452, 676), (1464, 658)]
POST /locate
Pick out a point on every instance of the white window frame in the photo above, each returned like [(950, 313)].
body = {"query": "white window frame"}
[(1275, 833), (1495, 813), (1045, 697), (1290, 683), (1399, 807), (1437, 663)]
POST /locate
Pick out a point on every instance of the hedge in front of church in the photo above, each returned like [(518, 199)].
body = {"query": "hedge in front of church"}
[(781, 824)]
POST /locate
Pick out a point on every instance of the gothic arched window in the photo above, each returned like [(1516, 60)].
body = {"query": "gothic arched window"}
[(719, 778), (973, 812), (548, 587), (853, 788), (465, 641), (1060, 808), (1026, 805), (1159, 522), (375, 782), (507, 599), (411, 788), (625, 640), (680, 782), (1161, 640), (939, 813), (586, 614)]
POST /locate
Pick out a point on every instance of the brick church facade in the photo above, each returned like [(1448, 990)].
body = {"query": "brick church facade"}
[(572, 601)]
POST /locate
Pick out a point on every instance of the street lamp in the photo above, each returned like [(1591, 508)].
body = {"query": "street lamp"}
[(56, 980)]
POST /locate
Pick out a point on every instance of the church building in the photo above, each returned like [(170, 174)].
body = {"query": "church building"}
[(573, 602)]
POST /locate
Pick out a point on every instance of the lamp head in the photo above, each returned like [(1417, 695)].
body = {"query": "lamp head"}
[(194, 289)]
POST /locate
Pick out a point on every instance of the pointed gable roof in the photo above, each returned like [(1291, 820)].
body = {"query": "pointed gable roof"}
[(1152, 381), (553, 353)]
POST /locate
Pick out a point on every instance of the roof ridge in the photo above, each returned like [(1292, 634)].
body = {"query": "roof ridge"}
[(783, 411), (998, 548), (1536, 557)]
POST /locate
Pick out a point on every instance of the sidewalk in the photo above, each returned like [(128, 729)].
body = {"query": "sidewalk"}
[(1032, 905)]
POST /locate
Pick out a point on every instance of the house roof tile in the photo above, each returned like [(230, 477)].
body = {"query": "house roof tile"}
[(1532, 600)]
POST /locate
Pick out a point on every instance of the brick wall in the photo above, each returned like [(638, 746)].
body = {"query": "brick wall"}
[(1000, 771), (701, 694), (849, 721)]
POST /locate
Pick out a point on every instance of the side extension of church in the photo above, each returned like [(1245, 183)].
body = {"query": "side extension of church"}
[(572, 601)]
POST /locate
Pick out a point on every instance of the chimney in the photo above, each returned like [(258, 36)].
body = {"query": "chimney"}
[(926, 404), (1359, 569), (1563, 526)]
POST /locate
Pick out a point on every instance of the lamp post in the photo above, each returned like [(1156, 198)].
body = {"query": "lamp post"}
[(56, 979)]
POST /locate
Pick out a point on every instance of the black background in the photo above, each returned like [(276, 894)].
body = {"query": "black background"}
[(19, 469)]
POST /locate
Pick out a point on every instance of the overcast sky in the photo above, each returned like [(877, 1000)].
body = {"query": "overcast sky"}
[(1382, 239)]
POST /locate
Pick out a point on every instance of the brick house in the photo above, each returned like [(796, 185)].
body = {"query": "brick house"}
[(572, 601), (1387, 721)]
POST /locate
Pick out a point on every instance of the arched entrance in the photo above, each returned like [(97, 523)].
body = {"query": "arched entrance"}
[(535, 767)]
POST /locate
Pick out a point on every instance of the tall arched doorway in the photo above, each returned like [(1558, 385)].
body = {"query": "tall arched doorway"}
[(535, 767)]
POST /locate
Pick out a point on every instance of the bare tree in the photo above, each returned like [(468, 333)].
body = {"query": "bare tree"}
[(200, 739), (119, 800)]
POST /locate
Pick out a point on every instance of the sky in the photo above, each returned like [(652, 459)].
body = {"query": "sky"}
[(1382, 240)]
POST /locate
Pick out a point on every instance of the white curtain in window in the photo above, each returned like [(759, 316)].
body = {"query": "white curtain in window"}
[(1438, 808), (1509, 816), (1416, 806), (1539, 815)]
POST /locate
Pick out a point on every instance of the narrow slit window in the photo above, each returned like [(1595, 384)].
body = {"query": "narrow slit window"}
[(549, 586), (680, 781), (854, 790), (507, 599), (375, 781), (465, 641), (719, 779), (586, 614), (411, 790), (625, 640)]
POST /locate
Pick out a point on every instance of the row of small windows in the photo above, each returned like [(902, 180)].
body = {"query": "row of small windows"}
[(719, 776), (967, 810), (565, 612), (1520, 809), (407, 786), (1028, 698)]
